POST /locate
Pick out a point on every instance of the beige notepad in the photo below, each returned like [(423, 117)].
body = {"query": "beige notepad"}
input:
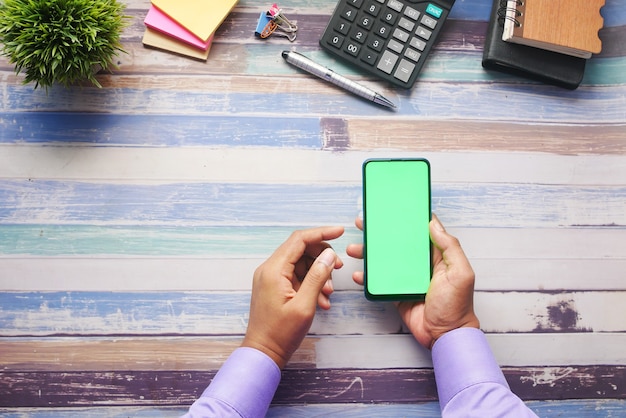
[(201, 17), (159, 40), (566, 26)]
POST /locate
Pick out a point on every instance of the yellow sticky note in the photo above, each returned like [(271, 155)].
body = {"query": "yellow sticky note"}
[(159, 40), (201, 17)]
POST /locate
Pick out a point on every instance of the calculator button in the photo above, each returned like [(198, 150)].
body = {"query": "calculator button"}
[(434, 11), (412, 54), (423, 33), (365, 21), (406, 24), (417, 44), (404, 71), (369, 57), (358, 35), (382, 30), (395, 46), (389, 17), (428, 21), (395, 5), (411, 13), (387, 62), (373, 9), (353, 49), (336, 41), (349, 13), (342, 27), (400, 35), (375, 43), (355, 3)]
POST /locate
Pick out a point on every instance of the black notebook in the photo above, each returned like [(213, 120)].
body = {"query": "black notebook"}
[(549, 67)]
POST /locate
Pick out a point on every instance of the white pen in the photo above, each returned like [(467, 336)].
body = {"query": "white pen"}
[(324, 73)]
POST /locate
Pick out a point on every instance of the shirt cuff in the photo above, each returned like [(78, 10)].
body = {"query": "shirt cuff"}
[(463, 358), (247, 382)]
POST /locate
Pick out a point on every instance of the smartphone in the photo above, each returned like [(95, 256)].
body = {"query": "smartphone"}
[(396, 214)]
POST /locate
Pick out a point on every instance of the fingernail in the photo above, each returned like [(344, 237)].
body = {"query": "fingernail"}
[(437, 224), (327, 257)]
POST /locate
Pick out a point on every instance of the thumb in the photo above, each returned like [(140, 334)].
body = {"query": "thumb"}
[(316, 277), (453, 255)]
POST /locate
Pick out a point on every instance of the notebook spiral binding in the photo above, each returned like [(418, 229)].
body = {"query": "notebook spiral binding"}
[(503, 12)]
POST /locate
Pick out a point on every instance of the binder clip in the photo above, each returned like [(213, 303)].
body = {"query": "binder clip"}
[(274, 22)]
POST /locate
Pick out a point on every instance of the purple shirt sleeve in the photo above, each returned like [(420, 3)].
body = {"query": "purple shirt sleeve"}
[(244, 386), (469, 381)]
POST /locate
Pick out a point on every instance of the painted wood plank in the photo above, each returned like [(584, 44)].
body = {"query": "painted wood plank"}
[(226, 313), (474, 10), (588, 408), (187, 353), (296, 387), (478, 243), (228, 165), (310, 133), (569, 139), (260, 242), (160, 130), (128, 274), (536, 349), (235, 45), (51, 204), (312, 97)]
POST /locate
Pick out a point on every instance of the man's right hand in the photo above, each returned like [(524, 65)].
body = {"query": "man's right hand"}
[(449, 302)]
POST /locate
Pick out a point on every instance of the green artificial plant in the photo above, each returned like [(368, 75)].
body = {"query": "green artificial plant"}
[(61, 41)]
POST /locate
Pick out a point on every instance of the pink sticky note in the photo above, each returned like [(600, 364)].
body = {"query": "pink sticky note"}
[(157, 20)]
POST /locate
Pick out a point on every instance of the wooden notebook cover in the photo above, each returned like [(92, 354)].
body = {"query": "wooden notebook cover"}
[(566, 23)]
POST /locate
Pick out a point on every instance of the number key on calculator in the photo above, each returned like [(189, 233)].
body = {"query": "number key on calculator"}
[(388, 38)]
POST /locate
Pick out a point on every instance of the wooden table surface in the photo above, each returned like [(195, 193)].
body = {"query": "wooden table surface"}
[(133, 216)]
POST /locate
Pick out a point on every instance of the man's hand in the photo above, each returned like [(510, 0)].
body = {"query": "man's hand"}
[(449, 301), (286, 289)]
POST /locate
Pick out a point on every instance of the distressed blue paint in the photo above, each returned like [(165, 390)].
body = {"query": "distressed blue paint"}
[(200, 119), (580, 408), (78, 240), (149, 313), (192, 206), (159, 130), (197, 204)]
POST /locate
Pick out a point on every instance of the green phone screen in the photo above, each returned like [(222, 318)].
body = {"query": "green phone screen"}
[(396, 210)]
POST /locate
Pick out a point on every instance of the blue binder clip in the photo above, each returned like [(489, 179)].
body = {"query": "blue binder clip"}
[(274, 22)]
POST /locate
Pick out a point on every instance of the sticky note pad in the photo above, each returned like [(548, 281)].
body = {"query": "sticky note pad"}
[(200, 17), (157, 20), (159, 40)]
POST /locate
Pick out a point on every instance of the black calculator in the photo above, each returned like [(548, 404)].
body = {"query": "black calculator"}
[(390, 39)]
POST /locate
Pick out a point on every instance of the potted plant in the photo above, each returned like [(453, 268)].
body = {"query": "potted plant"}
[(61, 41)]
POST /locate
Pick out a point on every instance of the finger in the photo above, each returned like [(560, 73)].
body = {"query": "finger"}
[(359, 222), (328, 288), (323, 302), (323, 299), (449, 247), (316, 278), (358, 277), (355, 250), (300, 241)]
